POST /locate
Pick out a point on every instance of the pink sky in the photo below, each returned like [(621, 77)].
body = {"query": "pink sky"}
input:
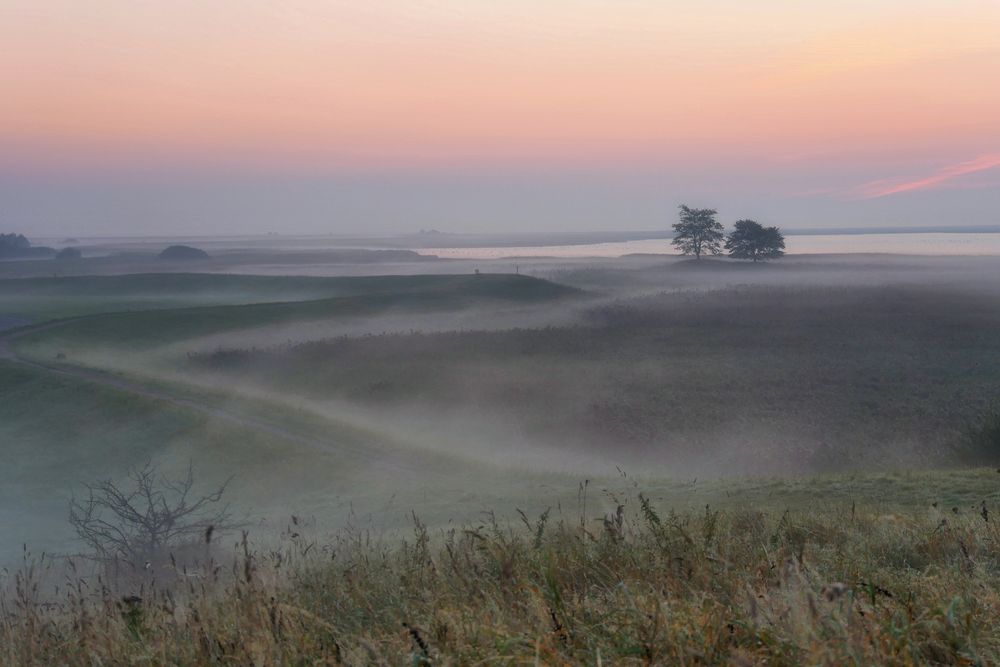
[(943, 176), (878, 98)]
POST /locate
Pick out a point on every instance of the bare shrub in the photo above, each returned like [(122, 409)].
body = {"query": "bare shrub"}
[(150, 520)]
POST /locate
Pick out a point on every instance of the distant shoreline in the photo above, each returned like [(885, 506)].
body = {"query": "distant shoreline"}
[(515, 239), (857, 231)]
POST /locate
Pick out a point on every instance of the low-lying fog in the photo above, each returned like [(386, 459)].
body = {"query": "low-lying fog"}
[(805, 365), (664, 367)]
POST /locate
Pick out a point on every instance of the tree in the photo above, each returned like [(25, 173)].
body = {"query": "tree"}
[(142, 522), (13, 245), (751, 240), (698, 232), (16, 246)]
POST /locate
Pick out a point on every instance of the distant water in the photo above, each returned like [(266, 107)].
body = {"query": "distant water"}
[(903, 244)]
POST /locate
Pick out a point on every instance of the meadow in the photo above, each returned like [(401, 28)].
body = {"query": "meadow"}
[(734, 380), (41, 299), (86, 422), (643, 461)]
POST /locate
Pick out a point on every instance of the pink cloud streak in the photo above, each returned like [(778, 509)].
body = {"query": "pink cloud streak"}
[(886, 187)]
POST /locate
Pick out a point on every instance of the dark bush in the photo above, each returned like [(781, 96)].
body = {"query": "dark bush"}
[(183, 252)]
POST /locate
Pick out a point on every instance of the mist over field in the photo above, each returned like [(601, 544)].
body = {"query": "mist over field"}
[(343, 399), (409, 332), (257, 416), (332, 388)]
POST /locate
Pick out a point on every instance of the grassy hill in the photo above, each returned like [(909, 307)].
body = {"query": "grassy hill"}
[(356, 297), (736, 380), (57, 432), (40, 299), (407, 547)]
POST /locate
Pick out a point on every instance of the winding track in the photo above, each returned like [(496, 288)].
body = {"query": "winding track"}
[(378, 459)]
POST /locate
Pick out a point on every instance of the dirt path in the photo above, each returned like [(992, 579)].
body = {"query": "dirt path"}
[(10, 335), (379, 459)]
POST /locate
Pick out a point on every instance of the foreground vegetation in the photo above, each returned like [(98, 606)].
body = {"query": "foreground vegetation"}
[(847, 583)]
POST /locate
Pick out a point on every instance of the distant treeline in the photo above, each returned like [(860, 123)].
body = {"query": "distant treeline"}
[(16, 246)]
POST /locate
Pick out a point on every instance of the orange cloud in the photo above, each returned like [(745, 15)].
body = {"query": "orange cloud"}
[(886, 187)]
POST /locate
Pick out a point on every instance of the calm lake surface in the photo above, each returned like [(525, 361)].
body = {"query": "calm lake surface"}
[(903, 244)]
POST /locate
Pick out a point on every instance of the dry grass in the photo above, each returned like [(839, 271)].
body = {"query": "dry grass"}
[(638, 586)]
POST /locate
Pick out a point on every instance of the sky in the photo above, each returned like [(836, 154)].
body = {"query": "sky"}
[(144, 117)]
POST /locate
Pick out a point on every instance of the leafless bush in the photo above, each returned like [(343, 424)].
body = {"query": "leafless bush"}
[(144, 522)]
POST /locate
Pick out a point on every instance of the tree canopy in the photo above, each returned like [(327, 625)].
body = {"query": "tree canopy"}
[(16, 246), (751, 240), (698, 232), (14, 241)]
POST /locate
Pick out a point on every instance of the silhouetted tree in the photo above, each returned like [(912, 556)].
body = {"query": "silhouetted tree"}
[(14, 241), (17, 246), (751, 240), (141, 522), (698, 232), (13, 245)]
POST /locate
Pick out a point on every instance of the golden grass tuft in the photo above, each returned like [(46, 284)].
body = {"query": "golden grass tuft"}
[(639, 586)]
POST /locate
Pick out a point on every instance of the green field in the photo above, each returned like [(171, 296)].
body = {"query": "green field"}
[(59, 430), (791, 440), (40, 299), (735, 380)]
